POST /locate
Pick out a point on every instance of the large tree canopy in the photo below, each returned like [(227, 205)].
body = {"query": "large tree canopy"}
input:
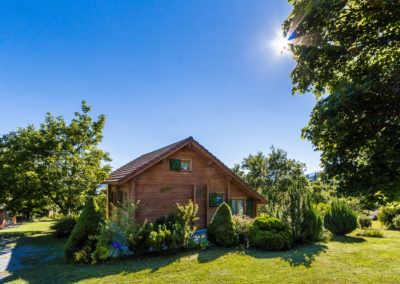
[(58, 164), (348, 55)]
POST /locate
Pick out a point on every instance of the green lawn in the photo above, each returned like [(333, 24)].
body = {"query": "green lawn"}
[(344, 259)]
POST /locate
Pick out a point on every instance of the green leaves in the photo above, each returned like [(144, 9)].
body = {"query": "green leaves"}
[(58, 164), (348, 55)]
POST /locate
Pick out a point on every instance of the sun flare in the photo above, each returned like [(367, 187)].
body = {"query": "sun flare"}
[(281, 44)]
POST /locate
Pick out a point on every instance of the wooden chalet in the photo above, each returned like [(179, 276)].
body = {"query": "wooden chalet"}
[(176, 173)]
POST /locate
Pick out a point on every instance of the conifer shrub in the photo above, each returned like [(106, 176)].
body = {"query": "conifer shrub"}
[(269, 233), (87, 225), (388, 213), (340, 219), (311, 226), (221, 230), (364, 222)]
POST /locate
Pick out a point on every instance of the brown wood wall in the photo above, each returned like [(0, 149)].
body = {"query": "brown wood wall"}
[(183, 185)]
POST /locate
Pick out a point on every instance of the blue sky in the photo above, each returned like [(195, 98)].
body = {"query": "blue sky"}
[(159, 70)]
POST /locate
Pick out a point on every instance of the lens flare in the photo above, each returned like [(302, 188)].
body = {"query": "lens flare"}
[(281, 44)]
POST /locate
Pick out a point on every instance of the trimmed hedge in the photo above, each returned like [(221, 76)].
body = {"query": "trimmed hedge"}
[(269, 233), (340, 219), (221, 230), (87, 225)]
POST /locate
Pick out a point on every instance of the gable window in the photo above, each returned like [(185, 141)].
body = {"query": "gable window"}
[(180, 165)]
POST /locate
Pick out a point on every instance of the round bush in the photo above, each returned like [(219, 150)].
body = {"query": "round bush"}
[(396, 222), (268, 233), (388, 213), (364, 222), (340, 219), (87, 224), (63, 226), (221, 230)]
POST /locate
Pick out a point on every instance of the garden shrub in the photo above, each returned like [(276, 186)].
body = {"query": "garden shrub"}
[(340, 219), (241, 225), (396, 222), (221, 230), (87, 224), (373, 233), (269, 233), (64, 225), (388, 213), (364, 221), (311, 228), (111, 242)]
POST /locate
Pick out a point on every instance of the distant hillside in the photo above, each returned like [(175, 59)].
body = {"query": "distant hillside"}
[(312, 176)]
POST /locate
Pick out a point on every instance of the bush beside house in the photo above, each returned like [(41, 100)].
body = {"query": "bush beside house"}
[(269, 233), (221, 230), (86, 226)]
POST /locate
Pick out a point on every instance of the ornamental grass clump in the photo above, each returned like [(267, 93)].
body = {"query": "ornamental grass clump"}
[(269, 233), (221, 230), (340, 219), (86, 226)]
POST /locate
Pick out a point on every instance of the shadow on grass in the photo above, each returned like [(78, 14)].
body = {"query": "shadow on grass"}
[(36, 260), (347, 239), (302, 255)]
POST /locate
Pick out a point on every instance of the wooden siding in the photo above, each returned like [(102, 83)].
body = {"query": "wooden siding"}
[(183, 186)]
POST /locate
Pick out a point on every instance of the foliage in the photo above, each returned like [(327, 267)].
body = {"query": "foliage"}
[(101, 200), (364, 221), (373, 233), (221, 230), (269, 233), (340, 219), (63, 226), (282, 182), (347, 53), (322, 191), (388, 213), (311, 228), (241, 224), (111, 242), (87, 224), (166, 233), (123, 215), (58, 164), (396, 222)]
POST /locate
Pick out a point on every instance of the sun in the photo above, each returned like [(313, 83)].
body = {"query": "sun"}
[(281, 44)]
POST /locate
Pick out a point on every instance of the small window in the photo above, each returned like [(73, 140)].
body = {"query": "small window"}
[(199, 193), (180, 165), (237, 206), (185, 165)]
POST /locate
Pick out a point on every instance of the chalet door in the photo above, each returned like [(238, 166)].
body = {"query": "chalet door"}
[(201, 200)]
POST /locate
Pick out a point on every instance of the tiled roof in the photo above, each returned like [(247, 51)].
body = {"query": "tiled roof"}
[(137, 164)]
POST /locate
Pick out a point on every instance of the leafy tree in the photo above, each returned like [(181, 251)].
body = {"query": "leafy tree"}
[(58, 164), (348, 55), (282, 182)]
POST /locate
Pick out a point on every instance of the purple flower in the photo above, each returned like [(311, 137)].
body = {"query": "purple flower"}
[(117, 245)]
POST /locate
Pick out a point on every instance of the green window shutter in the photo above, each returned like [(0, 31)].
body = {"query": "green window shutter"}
[(175, 165), (213, 199), (249, 207)]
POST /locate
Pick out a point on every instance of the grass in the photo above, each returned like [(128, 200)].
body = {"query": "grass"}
[(342, 260)]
